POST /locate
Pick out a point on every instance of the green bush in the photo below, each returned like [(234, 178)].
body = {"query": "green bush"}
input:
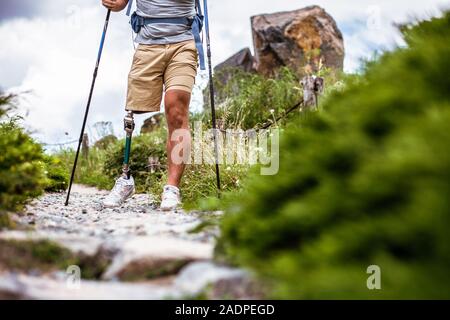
[(21, 168), (366, 182), (57, 174), (247, 99), (89, 171)]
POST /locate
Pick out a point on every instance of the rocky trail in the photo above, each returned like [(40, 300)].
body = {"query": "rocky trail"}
[(132, 252)]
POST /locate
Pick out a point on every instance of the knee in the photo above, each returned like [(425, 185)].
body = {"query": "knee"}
[(177, 110), (176, 119)]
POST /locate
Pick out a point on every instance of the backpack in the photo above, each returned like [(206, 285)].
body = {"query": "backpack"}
[(196, 24)]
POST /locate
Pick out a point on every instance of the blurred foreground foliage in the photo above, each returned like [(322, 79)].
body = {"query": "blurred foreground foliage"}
[(365, 182)]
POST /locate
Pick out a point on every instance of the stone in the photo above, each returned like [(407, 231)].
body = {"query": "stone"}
[(193, 280), (198, 275), (242, 60), (19, 286), (298, 39), (156, 250), (153, 256), (152, 123), (244, 287), (218, 282), (223, 72)]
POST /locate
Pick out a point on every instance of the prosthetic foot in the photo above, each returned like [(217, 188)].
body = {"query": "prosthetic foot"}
[(124, 186)]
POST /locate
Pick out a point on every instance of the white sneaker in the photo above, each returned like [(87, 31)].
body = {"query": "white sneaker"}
[(123, 189), (171, 198)]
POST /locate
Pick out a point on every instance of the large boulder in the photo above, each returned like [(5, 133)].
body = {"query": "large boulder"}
[(223, 72), (297, 39)]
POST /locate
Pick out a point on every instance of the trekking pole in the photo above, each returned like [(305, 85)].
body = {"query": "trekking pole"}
[(211, 93), (99, 56)]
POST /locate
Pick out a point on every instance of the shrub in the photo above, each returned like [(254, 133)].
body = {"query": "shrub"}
[(57, 174), (21, 167), (366, 182), (105, 142), (246, 100), (249, 100), (89, 171)]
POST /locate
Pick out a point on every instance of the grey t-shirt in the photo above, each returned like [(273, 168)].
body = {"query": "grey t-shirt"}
[(165, 33)]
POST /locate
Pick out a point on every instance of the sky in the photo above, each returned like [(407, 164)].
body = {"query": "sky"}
[(49, 47)]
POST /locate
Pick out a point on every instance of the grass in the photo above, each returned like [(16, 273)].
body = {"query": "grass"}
[(89, 171)]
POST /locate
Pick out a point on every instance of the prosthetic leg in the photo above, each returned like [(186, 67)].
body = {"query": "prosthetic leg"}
[(129, 125), (124, 187)]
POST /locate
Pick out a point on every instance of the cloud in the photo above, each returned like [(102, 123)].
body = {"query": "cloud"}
[(13, 9), (18, 8), (50, 50), (56, 60)]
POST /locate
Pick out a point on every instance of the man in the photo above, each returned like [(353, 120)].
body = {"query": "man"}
[(165, 61)]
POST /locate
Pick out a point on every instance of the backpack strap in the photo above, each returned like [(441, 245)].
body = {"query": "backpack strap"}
[(130, 4), (197, 27)]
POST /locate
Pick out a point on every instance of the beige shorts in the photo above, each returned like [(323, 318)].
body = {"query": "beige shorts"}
[(157, 68)]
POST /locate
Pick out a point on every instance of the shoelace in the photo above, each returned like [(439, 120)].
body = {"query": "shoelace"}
[(170, 194)]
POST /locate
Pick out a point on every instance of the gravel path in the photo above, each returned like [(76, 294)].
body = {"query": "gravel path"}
[(85, 216), (156, 249)]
